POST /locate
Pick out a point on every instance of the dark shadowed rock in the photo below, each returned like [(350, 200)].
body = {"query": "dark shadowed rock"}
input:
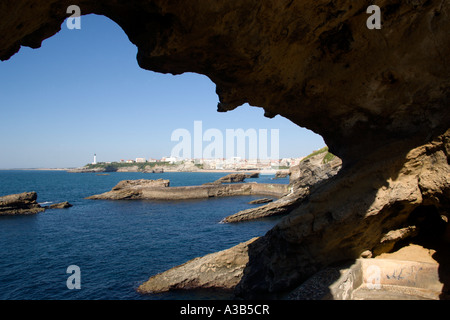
[(252, 175)]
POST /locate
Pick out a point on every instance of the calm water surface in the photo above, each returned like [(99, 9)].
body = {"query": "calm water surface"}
[(117, 244)]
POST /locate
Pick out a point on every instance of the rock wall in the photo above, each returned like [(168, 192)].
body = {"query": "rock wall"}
[(366, 208), (379, 98)]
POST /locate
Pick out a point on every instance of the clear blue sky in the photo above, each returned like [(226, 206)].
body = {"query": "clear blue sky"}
[(83, 92)]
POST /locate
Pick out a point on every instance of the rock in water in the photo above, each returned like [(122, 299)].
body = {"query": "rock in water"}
[(61, 205), (232, 177), (18, 204), (259, 201), (252, 175), (220, 270), (141, 183), (305, 177), (159, 190), (281, 174)]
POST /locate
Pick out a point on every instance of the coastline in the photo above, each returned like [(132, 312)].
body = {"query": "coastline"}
[(262, 172), (37, 169)]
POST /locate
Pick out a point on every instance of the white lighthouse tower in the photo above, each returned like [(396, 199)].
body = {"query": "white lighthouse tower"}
[(95, 159)]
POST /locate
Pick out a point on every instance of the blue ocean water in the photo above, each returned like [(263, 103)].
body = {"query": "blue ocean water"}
[(117, 244)]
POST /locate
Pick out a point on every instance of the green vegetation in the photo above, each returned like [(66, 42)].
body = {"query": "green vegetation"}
[(327, 157), (114, 166)]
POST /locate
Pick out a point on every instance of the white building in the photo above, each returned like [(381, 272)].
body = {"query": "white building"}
[(140, 160), (171, 160)]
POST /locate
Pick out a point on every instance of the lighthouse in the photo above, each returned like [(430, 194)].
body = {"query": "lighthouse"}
[(95, 159)]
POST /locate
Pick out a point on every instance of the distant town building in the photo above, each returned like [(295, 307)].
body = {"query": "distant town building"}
[(169, 159), (233, 163)]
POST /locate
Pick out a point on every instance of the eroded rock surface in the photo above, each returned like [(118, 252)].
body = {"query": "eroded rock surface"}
[(143, 189), (233, 177), (18, 204), (379, 98), (220, 270), (304, 178), (369, 207), (260, 201)]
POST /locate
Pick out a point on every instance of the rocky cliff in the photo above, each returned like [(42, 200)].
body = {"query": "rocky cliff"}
[(363, 210), (304, 178), (379, 98)]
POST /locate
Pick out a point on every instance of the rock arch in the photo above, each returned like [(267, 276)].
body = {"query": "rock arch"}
[(379, 98)]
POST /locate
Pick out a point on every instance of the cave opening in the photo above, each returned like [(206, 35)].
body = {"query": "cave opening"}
[(116, 109), (62, 107), (365, 115), (431, 223), (434, 236)]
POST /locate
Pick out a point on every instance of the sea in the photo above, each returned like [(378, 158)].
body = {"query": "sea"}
[(117, 245)]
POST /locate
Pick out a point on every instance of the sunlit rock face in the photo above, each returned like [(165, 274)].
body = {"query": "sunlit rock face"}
[(380, 99)]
